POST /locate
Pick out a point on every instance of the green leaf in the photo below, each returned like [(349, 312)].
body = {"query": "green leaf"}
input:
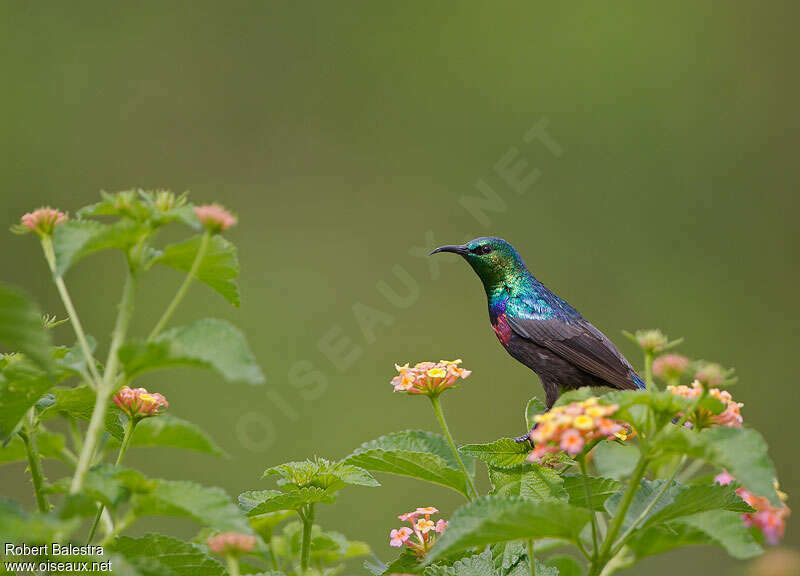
[(207, 343), (170, 431), (502, 453), (690, 500), (566, 565), (76, 239), (614, 460), (79, 403), (742, 451), (477, 565), (493, 519), (534, 482), (414, 453), (257, 502), (21, 386), (109, 485), (717, 527), (601, 489), (533, 409), (209, 506), (19, 526), (156, 555), (219, 268), (49, 444), (21, 327)]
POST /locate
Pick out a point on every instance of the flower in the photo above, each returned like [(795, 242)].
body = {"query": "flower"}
[(711, 374), (670, 366), (429, 378), (768, 518), (138, 403), (424, 530), (214, 217), (569, 428), (42, 221), (730, 417), (651, 341), (231, 544)]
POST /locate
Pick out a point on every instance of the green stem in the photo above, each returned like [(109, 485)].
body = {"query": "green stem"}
[(582, 463), (233, 565), (648, 372), (49, 254), (120, 455), (95, 429), (173, 305), (308, 524), (35, 466), (619, 516), (437, 408), (531, 558)]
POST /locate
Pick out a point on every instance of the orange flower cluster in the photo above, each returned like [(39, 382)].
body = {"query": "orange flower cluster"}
[(231, 544), (730, 417), (571, 427), (422, 527), (429, 378), (768, 518), (138, 403)]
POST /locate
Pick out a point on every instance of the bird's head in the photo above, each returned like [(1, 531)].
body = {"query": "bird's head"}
[(493, 259)]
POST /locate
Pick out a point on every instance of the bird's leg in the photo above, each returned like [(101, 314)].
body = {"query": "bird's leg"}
[(525, 438)]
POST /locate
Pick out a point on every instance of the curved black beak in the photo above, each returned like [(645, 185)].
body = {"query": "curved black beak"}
[(454, 248)]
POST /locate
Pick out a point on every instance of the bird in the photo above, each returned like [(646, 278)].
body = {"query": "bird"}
[(540, 329)]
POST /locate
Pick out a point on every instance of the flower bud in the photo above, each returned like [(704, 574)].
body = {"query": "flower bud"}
[(214, 217), (231, 544), (42, 221), (138, 403), (670, 366)]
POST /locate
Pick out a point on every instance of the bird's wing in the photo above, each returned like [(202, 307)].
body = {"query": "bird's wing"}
[(580, 343)]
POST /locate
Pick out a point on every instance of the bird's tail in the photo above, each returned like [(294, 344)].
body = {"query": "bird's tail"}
[(640, 384)]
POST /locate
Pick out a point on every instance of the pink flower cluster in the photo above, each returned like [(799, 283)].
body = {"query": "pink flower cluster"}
[(430, 378), (571, 427), (214, 217), (138, 403), (231, 544), (768, 518), (42, 221), (423, 528), (670, 366), (730, 417)]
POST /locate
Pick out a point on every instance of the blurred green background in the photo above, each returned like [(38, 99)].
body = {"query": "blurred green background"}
[(351, 136)]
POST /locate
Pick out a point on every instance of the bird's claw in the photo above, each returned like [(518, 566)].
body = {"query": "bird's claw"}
[(524, 438)]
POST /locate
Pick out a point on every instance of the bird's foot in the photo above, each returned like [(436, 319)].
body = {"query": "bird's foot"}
[(524, 438)]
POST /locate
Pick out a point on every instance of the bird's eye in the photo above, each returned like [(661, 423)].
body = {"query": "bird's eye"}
[(485, 249)]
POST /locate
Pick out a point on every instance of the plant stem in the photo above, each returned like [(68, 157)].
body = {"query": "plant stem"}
[(649, 506), (106, 388), (582, 463), (308, 524), (531, 558), (437, 408), (122, 449), (49, 254), (619, 516), (198, 259), (233, 565), (648, 372), (35, 466)]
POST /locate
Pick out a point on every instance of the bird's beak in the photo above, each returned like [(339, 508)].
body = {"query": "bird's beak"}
[(454, 248)]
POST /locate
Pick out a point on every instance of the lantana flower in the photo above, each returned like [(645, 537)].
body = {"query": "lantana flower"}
[(423, 529), (231, 544), (670, 366), (569, 428), (138, 403), (712, 374), (731, 417), (651, 341), (429, 378), (214, 217), (768, 518), (42, 221)]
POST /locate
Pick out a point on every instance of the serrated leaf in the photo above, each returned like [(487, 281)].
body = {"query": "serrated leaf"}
[(533, 409), (690, 500), (21, 386), (207, 343), (534, 482), (218, 270), (19, 526), (79, 403), (414, 453), (614, 460), (207, 505), (502, 453), (717, 527), (742, 451), (565, 565), (157, 555), (170, 431), (492, 519), (50, 445), (321, 473), (601, 489), (477, 565), (76, 239), (109, 485), (21, 327), (257, 502)]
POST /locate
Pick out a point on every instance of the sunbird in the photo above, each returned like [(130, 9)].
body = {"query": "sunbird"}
[(540, 329)]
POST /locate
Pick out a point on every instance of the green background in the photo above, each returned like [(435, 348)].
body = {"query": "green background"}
[(343, 133)]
